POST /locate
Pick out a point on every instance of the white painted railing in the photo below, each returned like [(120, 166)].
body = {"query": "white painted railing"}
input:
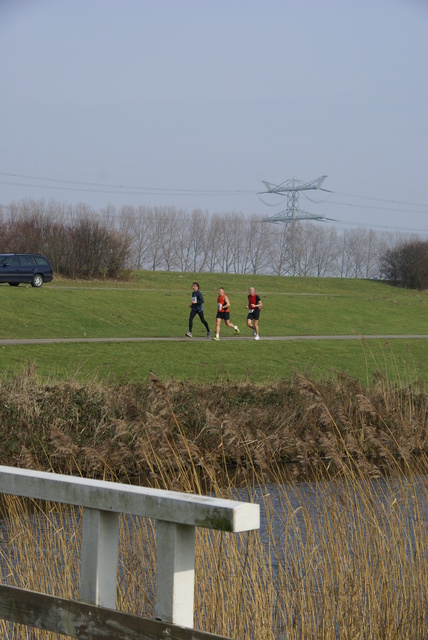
[(177, 515)]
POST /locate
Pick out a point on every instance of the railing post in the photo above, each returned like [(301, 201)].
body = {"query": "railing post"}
[(99, 557), (176, 514), (175, 573)]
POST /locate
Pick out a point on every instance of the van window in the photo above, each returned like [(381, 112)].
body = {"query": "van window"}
[(26, 261), (41, 260)]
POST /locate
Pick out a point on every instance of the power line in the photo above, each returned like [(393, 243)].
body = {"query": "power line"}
[(60, 184), (352, 195), (118, 188), (366, 206), (377, 226)]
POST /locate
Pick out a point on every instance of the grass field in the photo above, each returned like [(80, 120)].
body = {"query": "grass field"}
[(353, 564), (156, 304)]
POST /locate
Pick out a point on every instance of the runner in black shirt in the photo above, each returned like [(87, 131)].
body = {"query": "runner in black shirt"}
[(197, 309)]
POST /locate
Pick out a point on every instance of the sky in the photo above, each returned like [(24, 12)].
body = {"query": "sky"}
[(193, 103)]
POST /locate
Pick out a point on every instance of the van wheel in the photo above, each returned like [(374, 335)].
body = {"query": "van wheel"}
[(13, 284), (37, 280)]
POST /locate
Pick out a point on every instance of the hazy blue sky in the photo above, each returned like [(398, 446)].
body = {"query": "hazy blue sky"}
[(193, 103)]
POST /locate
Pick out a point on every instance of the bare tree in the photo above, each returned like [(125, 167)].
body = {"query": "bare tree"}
[(357, 249), (342, 259), (278, 247), (80, 241), (294, 249), (237, 230), (324, 248), (303, 251), (88, 237), (373, 249), (154, 253), (95, 249), (183, 240), (109, 216), (167, 218), (198, 239), (135, 222), (213, 243), (257, 241), (228, 230)]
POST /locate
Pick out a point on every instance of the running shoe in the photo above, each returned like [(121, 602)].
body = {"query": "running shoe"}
[(216, 338), (237, 330), (188, 334), (209, 335), (256, 337)]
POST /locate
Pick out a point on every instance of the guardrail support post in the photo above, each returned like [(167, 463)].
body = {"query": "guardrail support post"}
[(99, 557), (176, 515), (175, 573)]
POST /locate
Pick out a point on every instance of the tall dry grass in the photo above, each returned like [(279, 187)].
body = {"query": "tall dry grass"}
[(342, 554), (120, 431)]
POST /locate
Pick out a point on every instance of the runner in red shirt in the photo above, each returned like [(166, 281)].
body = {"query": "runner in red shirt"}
[(254, 306), (223, 305)]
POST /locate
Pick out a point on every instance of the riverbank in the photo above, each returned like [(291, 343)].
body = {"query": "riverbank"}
[(138, 432), (341, 554)]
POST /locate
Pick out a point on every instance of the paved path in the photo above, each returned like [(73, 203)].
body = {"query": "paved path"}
[(202, 339)]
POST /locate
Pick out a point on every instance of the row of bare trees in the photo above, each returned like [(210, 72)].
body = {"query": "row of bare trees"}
[(178, 240), (80, 241)]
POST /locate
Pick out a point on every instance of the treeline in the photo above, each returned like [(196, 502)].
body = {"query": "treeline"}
[(77, 241), (82, 242), (406, 264)]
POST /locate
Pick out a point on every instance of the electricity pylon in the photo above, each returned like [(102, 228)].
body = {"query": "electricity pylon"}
[(291, 188)]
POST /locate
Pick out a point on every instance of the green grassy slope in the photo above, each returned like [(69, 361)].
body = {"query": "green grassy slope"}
[(157, 304)]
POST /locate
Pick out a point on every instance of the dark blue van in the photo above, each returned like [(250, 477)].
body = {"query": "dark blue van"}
[(25, 267)]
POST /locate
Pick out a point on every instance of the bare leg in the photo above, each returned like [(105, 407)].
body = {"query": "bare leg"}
[(230, 324), (217, 326)]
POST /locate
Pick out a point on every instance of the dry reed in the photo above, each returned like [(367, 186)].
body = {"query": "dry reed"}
[(343, 553)]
